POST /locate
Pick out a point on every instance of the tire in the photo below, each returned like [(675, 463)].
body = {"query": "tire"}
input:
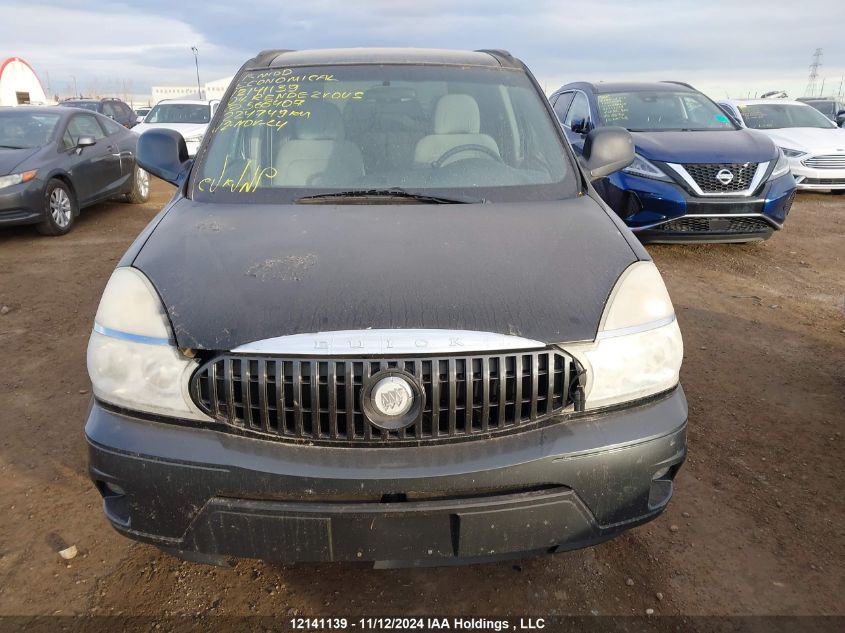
[(60, 209), (140, 187)]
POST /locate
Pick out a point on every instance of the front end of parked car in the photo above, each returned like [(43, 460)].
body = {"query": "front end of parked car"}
[(818, 170), (21, 198), (292, 449), (666, 201)]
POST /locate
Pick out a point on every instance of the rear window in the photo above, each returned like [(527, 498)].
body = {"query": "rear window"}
[(656, 111), (179, 113), (292, 132)]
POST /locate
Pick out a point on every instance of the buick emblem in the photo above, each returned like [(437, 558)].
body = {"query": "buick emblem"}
[(725, 176), (392, 396), (392, 399)]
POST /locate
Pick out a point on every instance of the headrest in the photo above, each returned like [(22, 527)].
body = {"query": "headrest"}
[(324, 123), (456, 114)]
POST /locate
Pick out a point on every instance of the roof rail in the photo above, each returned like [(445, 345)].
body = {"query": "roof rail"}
[(501, 55), (679, 83), (265, 57)]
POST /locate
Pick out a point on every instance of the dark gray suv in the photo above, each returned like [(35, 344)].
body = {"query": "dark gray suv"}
[(385, 317)]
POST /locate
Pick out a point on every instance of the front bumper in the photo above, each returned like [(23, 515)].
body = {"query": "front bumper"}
[(206, 495), (22, 203), (659, 211)]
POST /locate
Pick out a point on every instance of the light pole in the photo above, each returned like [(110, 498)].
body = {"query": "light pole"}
[(197, 64)]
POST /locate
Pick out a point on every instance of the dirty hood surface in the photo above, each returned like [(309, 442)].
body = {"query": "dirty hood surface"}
[(234, 274)]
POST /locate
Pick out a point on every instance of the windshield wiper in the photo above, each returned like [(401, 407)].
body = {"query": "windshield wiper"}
[(392, 192), (12, 147)]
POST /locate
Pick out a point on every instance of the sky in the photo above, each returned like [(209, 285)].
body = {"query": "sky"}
[(725, 48)]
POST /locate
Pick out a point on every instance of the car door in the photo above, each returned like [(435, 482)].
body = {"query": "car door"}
[(579, 110), (93, 170)]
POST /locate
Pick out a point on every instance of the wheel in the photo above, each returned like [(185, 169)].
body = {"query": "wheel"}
[(140, 187), (469, 147), (59, 209)]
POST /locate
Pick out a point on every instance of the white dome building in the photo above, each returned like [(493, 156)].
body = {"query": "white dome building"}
[(19, 85)]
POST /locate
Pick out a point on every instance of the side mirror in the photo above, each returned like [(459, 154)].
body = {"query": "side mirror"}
[(163, 153), (840, 117), (85, 141), (580, 126), (606, 150)]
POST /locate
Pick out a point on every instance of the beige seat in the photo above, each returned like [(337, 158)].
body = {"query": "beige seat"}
[(456, 122), (318, 154)]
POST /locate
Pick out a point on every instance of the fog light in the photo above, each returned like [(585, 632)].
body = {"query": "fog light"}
[(114, 488), (660, 474)]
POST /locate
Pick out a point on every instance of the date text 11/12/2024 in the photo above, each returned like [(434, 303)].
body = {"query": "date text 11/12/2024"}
[(416, 624)]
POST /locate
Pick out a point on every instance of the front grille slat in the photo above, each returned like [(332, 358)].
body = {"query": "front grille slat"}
[(825, 161), (320, 399), (296, 381), (704, 175)]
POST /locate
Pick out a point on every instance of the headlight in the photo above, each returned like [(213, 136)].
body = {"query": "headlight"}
[(197, 138), (644, 168), (16, 179), (638, 349), (781, 167), (132, 359), (792, 153)]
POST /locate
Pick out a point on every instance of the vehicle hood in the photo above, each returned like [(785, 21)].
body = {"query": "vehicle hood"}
[(11, 158), (235, 274), (712, 146), (812, 140), (185, 129)]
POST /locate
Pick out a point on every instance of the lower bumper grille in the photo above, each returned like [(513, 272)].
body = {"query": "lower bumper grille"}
[(823, 181), (716, 225), (321, 399)]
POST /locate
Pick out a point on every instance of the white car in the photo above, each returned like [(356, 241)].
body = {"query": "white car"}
[(813, 144), (189, 117)]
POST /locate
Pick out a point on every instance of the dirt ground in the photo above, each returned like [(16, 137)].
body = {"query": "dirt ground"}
[(756, 525)]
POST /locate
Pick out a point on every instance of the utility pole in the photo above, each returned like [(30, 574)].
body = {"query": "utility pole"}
[(197, 64), (814, 73)]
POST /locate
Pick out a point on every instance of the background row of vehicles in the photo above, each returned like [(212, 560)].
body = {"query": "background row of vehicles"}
[(703, 171), (57, 160)]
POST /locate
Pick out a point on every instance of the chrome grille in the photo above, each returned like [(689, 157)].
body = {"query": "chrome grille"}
[(718, 225), (704, 175), (828, 161), (319, 399)]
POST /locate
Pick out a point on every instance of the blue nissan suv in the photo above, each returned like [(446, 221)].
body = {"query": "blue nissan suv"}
[(697, 175)]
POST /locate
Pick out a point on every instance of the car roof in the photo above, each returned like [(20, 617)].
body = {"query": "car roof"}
[(45, 108), (346, 56), (184, 101), (764, 101), (604, 87)]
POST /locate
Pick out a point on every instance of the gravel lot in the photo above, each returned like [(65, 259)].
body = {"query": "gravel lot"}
[(756, 526)]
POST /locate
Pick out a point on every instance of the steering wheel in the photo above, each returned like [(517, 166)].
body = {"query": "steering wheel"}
[(468, 147)]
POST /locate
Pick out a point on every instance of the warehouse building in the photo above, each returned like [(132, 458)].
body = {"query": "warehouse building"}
[(19, 85)]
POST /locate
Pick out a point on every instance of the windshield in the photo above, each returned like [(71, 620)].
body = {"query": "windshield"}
[(773, 116), (448, 131), (179, 113), (20, 130), (653, 111)]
